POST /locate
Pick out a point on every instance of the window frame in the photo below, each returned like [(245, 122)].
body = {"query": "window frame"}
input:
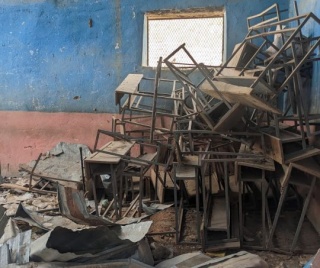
[(180, 14)]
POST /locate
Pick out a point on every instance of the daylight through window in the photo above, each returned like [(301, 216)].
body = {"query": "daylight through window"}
[(203, 37)]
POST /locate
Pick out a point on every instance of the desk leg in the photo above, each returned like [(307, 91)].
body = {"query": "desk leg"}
[(226, 190), (94, 191), (115, 191)]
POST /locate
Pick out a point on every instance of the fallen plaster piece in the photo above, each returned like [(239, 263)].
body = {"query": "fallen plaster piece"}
[(154, 208), (130, 220), (185, 260), (144, 253), (62, 161), (241, 259), (133, 232), (128, 263)]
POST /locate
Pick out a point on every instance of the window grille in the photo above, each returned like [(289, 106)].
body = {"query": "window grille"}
[(203, 38)]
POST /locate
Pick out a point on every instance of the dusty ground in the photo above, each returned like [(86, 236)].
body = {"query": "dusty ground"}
[(164, 221)]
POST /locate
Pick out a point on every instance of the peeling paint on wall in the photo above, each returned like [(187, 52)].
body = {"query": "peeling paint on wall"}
[(54, 50)]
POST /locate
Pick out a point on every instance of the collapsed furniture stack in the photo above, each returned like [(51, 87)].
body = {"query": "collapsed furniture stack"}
[(245, 122)]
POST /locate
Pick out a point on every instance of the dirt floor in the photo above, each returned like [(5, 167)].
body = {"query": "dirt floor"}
[(164, 221)]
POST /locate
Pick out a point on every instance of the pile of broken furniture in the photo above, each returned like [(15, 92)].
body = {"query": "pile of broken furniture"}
[(246, 121), (193, 132)]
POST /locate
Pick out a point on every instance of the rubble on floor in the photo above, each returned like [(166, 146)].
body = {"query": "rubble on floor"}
[(201, 158)]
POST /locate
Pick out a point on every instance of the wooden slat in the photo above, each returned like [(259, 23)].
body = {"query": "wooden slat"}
[(308, 165), (118, 147), (218, 219), (237, 94), (244, 81), (230, 119), (128, 86), (264, 164), (301, 154), (185, 172)]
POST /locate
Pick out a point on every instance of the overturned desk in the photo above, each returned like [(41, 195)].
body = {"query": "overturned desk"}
[(107, 160)]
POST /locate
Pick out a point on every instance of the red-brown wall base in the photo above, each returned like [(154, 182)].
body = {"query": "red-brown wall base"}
[(24, 135)]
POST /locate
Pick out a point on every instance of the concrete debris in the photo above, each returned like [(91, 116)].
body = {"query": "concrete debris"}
[(133, 232), (160, 252), (126, 263), (153, 208), (185, 260), (241, 259), (185, 142), (62, 163)]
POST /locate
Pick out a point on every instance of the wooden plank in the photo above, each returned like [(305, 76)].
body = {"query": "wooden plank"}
[(301, 154), (264, 164), (218, 219), (223, 245), (274, 148), (160, 187), (230, 119), (128, 86), (284, 135), (243, 55), (185, 172), (244, 81), (308, 165), (277, 148), (117, 147), (41, 174), (301, 181), (237, 94)]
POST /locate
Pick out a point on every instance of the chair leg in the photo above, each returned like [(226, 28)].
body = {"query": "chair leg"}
[(276, 218), (140, 193), (176, 203), (303, 213), (240, 212), (198, 205), (204, 200), (263, 218)]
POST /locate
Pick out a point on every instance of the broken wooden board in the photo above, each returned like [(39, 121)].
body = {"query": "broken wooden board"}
[(278, 148), (40, 174), (237, 94), (160, 187), (231, 118), (218, 218), (308, 165), (301, 154), (243, 81), (242, 57), (113, 147), (263, 164), (128, 86)]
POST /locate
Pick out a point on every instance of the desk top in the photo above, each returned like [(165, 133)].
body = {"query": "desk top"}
[(115, 147), (265, 164), (128, 86)]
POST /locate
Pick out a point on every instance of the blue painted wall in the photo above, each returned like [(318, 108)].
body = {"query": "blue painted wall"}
[(311, 30), (52, 60)]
